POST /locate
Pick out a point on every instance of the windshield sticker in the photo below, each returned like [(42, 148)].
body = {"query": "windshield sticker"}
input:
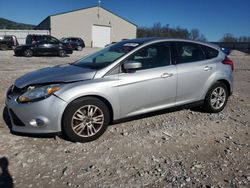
[(131, 44)]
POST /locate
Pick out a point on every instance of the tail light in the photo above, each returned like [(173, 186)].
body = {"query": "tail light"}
[(228, 61)]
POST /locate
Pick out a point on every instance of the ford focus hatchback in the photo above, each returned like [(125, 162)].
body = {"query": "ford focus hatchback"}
[(126, 79)]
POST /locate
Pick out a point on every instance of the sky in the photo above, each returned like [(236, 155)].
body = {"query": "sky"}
[(213, 18)]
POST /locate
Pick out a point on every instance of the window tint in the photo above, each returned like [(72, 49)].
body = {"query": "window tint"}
[(66, 40), (53, 40), (210, 52), (7, 38), (156, 55), (189, 52), (42, 42)]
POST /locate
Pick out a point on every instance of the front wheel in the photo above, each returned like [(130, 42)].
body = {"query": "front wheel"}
[(85, 119), (28, 53), (216, 98)]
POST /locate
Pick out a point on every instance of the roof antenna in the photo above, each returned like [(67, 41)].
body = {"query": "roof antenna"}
[(99, 5)]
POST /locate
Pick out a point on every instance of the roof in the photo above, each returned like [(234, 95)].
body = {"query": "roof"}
[(152, 39), (89, 8)]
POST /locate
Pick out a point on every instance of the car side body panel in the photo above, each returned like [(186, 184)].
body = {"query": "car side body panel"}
[(191, 79), (105, 88), (129, 93), (147, 90)]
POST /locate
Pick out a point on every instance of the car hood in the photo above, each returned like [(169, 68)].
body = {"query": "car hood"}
[(56, 74)]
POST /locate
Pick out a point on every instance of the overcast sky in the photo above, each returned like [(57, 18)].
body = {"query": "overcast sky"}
[(214, 18)]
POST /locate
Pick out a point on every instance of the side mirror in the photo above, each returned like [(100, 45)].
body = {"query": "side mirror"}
[(132, 65)]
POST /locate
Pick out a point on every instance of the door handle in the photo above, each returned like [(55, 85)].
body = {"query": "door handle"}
[(167, 75), (207, 68)]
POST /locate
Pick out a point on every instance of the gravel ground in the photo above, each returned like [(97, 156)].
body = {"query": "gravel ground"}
[(186, 148)]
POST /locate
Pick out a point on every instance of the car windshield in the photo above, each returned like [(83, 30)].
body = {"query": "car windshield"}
[(106, 56)]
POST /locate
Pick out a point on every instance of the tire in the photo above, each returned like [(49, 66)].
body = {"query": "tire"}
[(28, 53), (216, 98), (85, 119), (79, 48), (61, 53), (4, 47)]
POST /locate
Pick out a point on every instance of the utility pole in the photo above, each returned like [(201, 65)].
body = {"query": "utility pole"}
[(99, 5)]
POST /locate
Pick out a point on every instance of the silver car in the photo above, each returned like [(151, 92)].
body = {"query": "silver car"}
[(126, 79)]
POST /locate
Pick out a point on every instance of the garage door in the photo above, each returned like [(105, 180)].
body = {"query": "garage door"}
[(100, 36)]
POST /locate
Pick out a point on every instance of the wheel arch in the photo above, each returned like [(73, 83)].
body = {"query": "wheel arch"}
[(104, 100), (224, 81)]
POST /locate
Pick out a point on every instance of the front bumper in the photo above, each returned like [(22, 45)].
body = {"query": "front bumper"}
[(41, 117), (18, 52)]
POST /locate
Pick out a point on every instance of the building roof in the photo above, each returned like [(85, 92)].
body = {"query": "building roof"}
[(88, 8)]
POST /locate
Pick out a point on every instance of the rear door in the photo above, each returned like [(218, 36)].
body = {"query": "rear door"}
[(193, 69), (40, 47), (153, 86), (53, 45)]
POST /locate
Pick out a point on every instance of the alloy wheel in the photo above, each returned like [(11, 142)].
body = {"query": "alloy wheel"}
[(87, 120), (28, 53), (218, 97), (62, 53), (79, 48)]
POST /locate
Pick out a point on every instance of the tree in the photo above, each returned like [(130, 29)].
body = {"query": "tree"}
[(195, 34), (228, 37), (157, 30)]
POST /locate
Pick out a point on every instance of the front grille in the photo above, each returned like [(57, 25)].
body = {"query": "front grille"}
[(15, 119)]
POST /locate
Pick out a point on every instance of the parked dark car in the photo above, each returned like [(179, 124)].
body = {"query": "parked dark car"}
[(76, 43), (227, 51), (45, 47), (8, 42)]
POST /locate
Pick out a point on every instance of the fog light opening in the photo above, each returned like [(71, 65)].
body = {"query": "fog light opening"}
[(37, 122)]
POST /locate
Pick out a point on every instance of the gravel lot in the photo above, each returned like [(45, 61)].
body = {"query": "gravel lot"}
[(185, 148)]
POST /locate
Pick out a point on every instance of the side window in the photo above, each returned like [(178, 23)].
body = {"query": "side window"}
[(40, 43), (66, 40), (53, 41), (7, 38), (189, 52), (152, 56), (210, 52)]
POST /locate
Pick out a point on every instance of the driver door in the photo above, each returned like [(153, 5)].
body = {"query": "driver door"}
[(153, 86)]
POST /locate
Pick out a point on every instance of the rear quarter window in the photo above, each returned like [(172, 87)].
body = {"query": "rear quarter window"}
[(7, 37), (188, 52), (210, 52)]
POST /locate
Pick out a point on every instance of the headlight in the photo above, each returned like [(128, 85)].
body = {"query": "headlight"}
[(34, 93)]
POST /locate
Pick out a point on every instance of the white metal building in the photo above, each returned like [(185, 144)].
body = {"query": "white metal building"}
[(96, 25)]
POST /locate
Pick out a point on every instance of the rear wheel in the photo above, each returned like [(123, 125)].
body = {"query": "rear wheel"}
[(3, 47), (79, 48), (85, 119), (28, 53), (62, 53), (216, 98)]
